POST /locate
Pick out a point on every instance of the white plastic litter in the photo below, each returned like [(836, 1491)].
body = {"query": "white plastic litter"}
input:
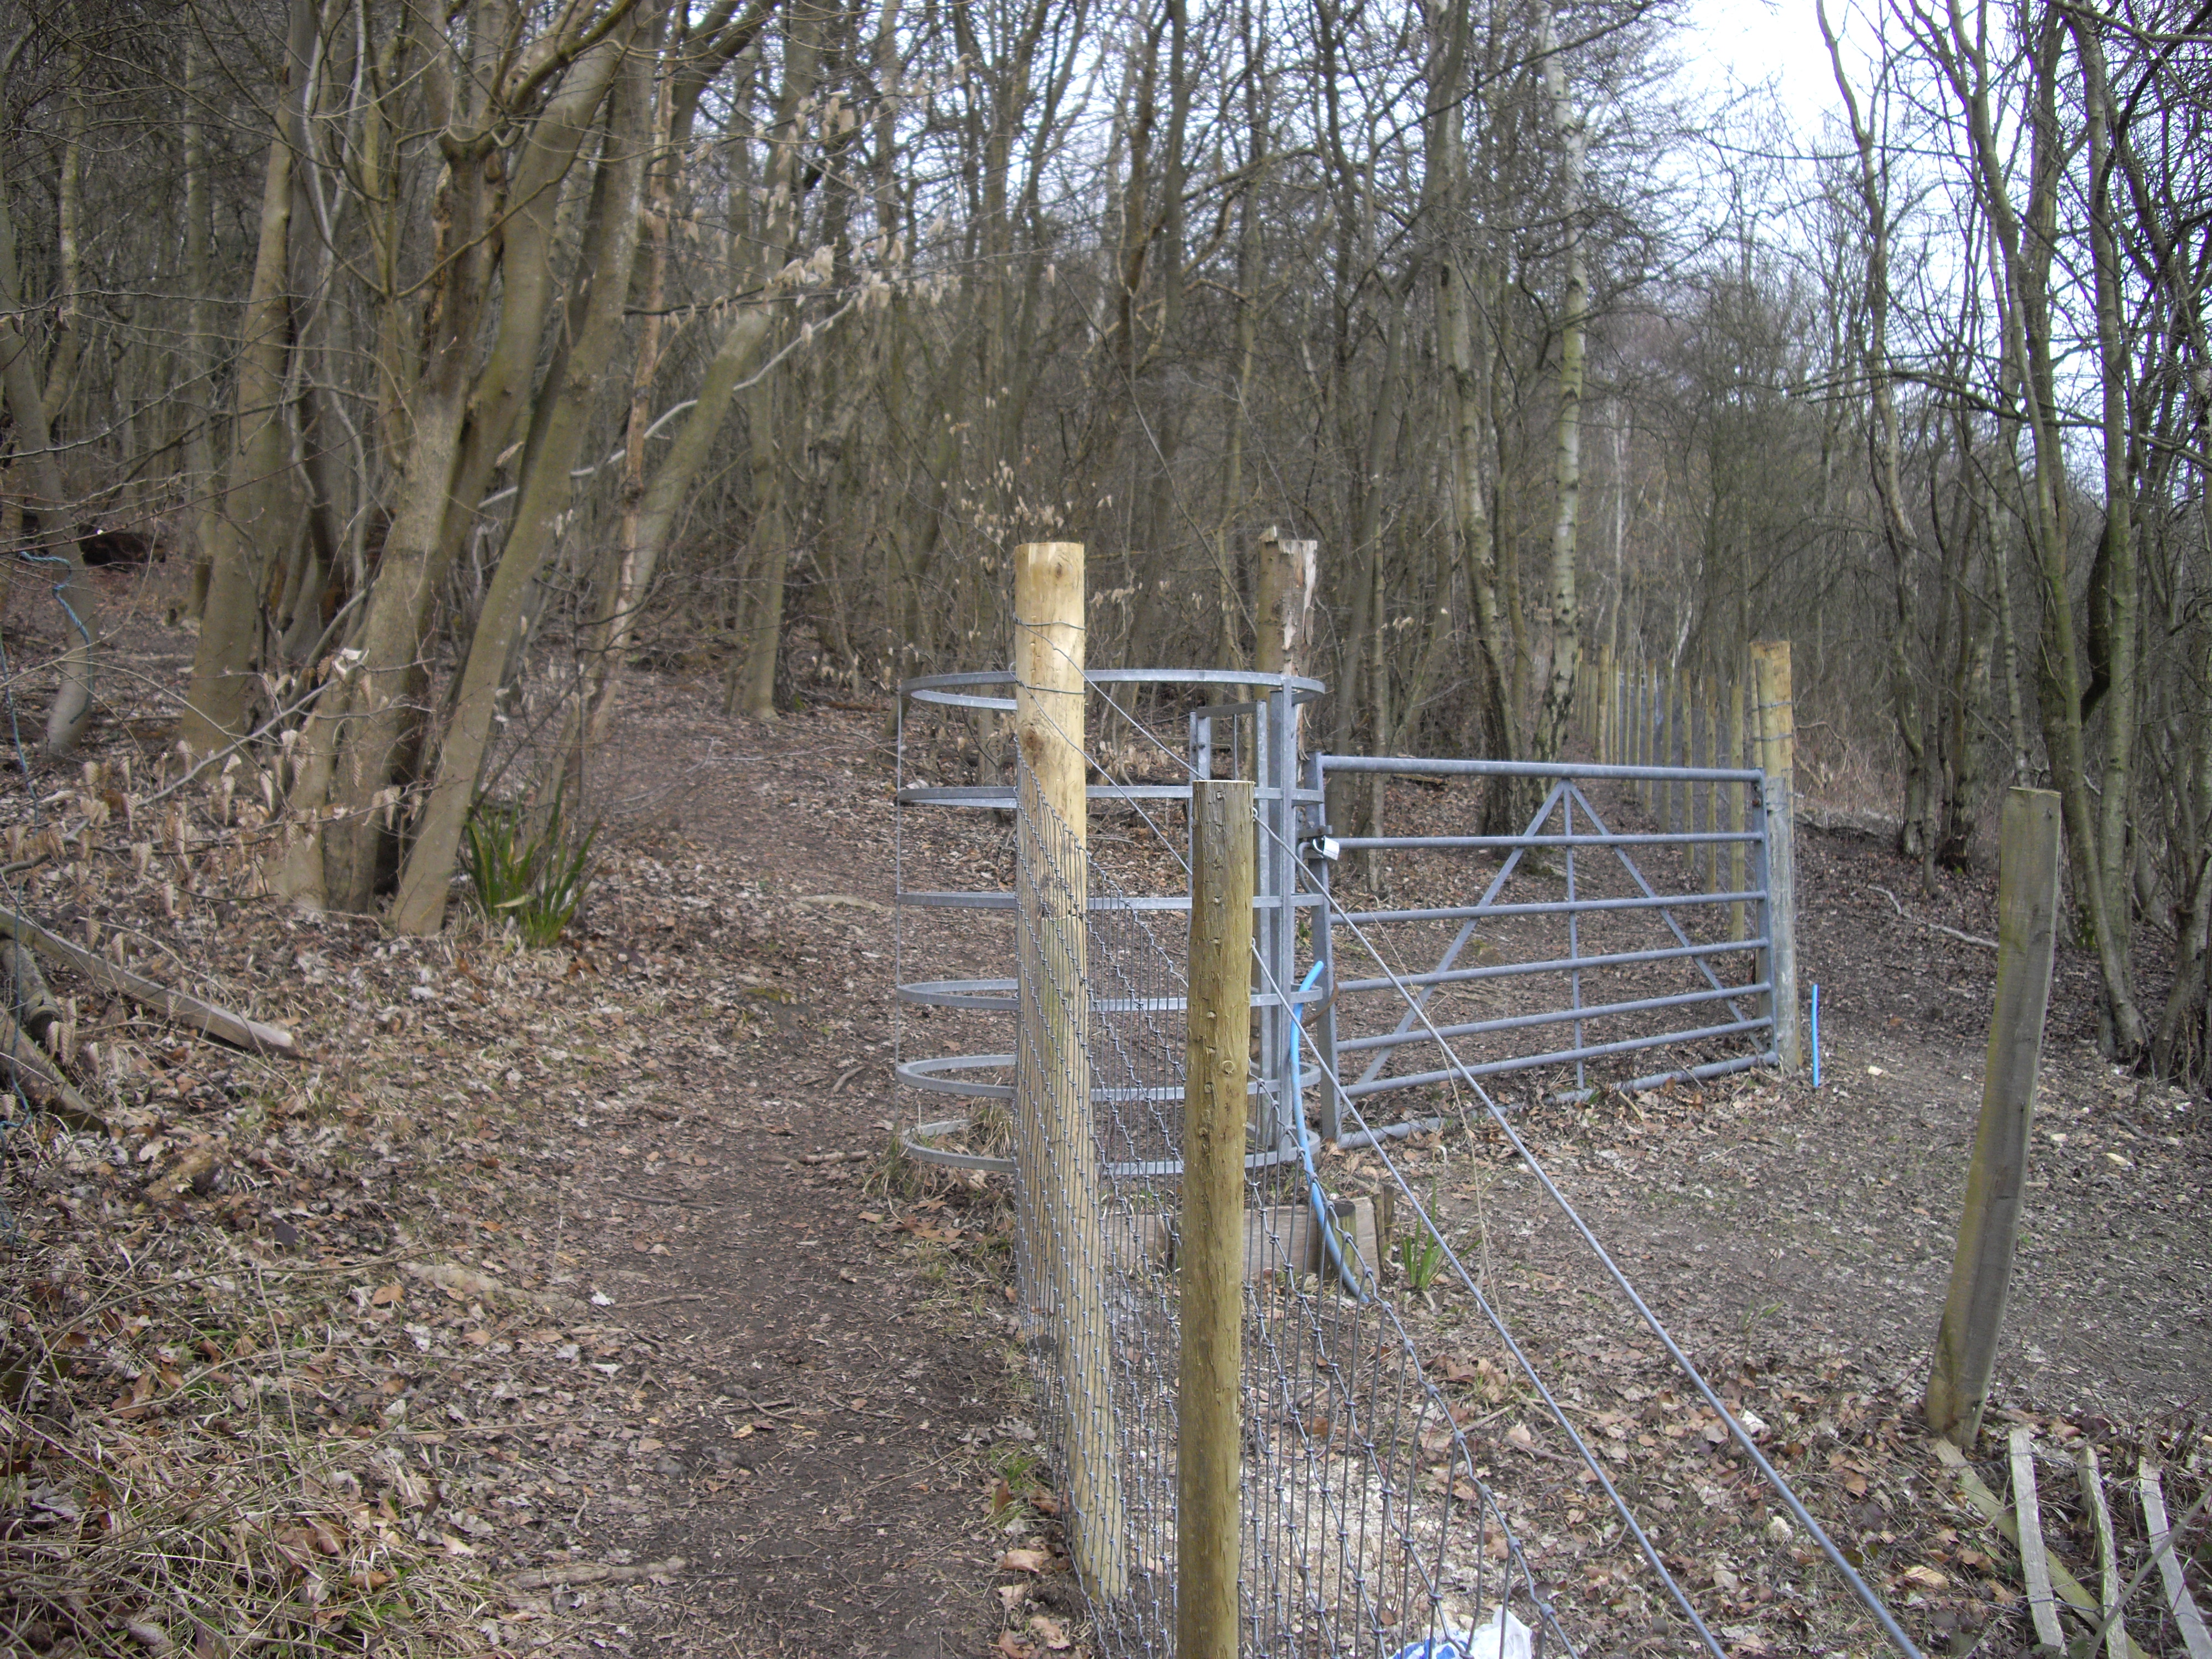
[(1502, 1636)]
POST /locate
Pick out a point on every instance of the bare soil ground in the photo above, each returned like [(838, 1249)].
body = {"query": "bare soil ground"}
[(571, 1291)]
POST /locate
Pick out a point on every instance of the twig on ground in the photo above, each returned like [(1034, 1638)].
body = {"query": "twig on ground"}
[(1935, 927)]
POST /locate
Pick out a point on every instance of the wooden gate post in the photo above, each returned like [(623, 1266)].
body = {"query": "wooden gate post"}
[(1217, 1064), (1289, 572), (1777, 745), (1736, 793), (1056, 1158), (1981, 1270)]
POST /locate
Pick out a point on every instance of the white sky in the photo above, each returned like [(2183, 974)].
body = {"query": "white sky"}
[(1734, 44)]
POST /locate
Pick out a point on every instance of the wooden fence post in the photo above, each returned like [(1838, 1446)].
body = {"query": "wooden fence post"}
[(1715, 711), (1290, 572), (1769, 671), (1736, 793), (1217, 1064), (1699, 814), (1981, 1270), (1642, 735), (1056, 1158)]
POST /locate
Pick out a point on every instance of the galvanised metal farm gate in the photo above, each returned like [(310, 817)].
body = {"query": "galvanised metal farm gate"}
[(1622, 940)]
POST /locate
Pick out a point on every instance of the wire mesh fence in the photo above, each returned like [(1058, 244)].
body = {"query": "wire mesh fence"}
[(1419, 1477), (1366, 1528)]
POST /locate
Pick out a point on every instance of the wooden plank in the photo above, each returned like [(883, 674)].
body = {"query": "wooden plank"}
[(2179, 1601), (1998, 1514), (1989, 1227), (2108, 1565), (2035, 1565), (1217, 1067)]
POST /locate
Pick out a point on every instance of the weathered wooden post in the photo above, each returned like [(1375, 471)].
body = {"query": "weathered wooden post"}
[(1608, 707), (1056, 1158), (1715, 713), (1699, 819), (1735, 800), (1777, 744), (1289, 572), (1981, 1270), (1640, 737), (1677, 792), (1217, 1064)]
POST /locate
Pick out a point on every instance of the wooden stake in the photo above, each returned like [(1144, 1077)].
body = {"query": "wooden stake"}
[(2035, 1565), (1713, 791), (1777, 745), (1981, 1270), (1993, 1509), (1217, 1065), (1699, 815), (2108, 1565), (1055, 1156), (2178, 1598)]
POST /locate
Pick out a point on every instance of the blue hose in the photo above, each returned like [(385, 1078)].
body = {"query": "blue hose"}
[(1324, 1217)]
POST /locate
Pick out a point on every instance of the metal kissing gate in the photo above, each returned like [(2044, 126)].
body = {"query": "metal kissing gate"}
[(1255, 726), (1586, 945)]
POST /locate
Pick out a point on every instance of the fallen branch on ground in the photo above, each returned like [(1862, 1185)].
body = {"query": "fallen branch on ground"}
[(29, 995), (1935, 927), (233, 1028), (595, 1572), (32, 1064)]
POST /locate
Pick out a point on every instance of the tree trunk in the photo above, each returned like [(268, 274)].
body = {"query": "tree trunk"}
[(1556, 717), (563, 419), (199, 333), (2120, 590), (222, 681), (57, 547), (754, 695)]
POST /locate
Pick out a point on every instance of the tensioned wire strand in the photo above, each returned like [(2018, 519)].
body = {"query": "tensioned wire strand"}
[(1863, 1592)]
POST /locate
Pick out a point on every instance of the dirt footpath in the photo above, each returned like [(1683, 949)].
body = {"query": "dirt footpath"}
[(835, 1394), (840, 1396)]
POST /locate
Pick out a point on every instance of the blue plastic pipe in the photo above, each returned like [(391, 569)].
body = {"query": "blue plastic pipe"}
[(1816, 1036), (1324, 1217)]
